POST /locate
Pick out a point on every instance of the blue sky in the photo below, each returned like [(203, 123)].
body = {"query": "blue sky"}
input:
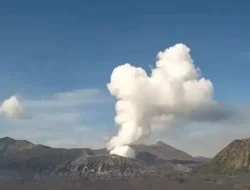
[(53, 47)]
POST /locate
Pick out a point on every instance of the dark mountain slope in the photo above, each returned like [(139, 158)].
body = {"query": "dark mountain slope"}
[(23, 155), (27, 157), (10, 147), (235, 157), (163, 151)]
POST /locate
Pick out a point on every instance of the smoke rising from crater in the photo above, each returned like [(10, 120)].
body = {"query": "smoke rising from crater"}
[(173, 91)]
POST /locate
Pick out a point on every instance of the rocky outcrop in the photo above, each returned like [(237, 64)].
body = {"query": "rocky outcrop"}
[(234, 158), (106, 167)]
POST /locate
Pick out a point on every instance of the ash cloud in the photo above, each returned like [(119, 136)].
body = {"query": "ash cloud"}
[(173, 91)]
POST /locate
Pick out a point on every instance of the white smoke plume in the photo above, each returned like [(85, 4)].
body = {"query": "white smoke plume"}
[(124, 151), (12, 108), (173, 91)]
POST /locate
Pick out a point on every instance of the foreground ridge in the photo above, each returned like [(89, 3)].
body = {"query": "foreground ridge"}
[(233, 158)]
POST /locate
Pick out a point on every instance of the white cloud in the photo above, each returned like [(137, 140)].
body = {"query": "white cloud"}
[(82, 95), (47, 119), (64, 108), (12, 108), (74, 98), (60, 116)]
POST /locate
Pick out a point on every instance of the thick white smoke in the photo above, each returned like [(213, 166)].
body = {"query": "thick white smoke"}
[(174, 90), (124, 151), (12, 108)]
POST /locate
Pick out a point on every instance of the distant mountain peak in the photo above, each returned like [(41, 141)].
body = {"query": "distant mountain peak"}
[(7, 143), (160, 143), (163, 151), (6, 138)]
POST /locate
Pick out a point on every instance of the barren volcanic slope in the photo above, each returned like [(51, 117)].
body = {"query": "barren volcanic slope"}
[(9, 146), (25, 156), (106, 167), (163, 151), (167, 152), (234, 158)]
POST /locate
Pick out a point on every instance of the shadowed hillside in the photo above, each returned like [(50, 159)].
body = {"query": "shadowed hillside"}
[(232, 159)]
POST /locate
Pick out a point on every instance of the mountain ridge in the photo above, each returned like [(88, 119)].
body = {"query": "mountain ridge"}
[(28, 157), (167, 152), (235, 157), (160, 150)]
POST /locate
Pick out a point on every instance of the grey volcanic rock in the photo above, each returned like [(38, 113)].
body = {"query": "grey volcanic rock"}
[(182, 168), (161, 165), (146, 157), (234, 158), (106, 167)]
